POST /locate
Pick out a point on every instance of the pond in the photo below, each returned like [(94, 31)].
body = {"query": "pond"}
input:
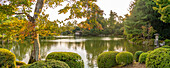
[(87, 47)]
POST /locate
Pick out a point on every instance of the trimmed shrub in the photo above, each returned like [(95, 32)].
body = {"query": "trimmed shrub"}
[(159, 58), (56, 64), (167, 42), (38, 64), (137, 54), (7, 59), (72, 59), (47, 64), (20, 63), (107, 59), (124, 58), (142, 57), (25, 66), (166, 46)]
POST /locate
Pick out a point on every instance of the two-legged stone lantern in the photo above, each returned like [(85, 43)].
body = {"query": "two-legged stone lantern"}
[(156, 40)]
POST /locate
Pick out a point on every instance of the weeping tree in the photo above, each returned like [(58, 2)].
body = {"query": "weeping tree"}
[(36, 22)]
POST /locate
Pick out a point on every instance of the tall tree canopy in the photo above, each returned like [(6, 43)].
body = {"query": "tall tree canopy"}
[(137, 25)]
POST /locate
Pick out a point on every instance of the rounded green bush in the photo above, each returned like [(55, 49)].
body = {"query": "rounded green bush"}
[(72, 59), (166, 46), (167, 42), (142, 57), (20, 63), (107, 59), (124, 58), (25, 66), (159, 58), (47, 64), (137, 54), (7, 59)]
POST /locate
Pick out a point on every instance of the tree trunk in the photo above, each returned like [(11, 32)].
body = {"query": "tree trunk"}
[(35, 53), (37, 48)]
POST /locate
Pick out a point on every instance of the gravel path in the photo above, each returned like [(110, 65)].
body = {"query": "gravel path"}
[(134, 65)]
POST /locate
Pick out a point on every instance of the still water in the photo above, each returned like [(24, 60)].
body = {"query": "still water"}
[(87, 47)]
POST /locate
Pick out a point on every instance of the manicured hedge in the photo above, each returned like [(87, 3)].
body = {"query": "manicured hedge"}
[(124, 58), (47, 64), (166, 46), (107, 59), (20, 63), (142, 57), (72, 59), (159, 58), (167, 42), (7, 59), (25, 66), (137, 54)]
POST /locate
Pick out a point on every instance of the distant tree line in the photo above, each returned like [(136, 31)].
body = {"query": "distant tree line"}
[(102, 27)]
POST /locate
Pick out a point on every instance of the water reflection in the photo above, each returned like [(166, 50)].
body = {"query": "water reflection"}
[(61, 36), (87, 47), (66, 40)]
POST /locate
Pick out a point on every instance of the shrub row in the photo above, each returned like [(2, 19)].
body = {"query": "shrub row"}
[(113, 58), (53, 60), (158, 58)]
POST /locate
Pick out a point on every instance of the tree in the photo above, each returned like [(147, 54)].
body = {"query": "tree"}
[(138, 24), (163, 9), (93, 17), (112, 19), (38, 24)]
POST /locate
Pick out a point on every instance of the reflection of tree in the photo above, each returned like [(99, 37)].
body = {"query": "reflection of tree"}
[(133, 48), (116, 45), (21, 49), (94, 48), (6, 45), (75, 45), (126, 46), (45, 47), (70, 44)]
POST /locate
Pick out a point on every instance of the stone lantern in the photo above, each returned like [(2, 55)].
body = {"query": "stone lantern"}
[(156, 40)]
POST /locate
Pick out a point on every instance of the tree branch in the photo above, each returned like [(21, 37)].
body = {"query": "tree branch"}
[(38, 8), (19, 13)]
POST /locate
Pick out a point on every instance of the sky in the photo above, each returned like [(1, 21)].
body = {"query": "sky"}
[(118, 6)]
